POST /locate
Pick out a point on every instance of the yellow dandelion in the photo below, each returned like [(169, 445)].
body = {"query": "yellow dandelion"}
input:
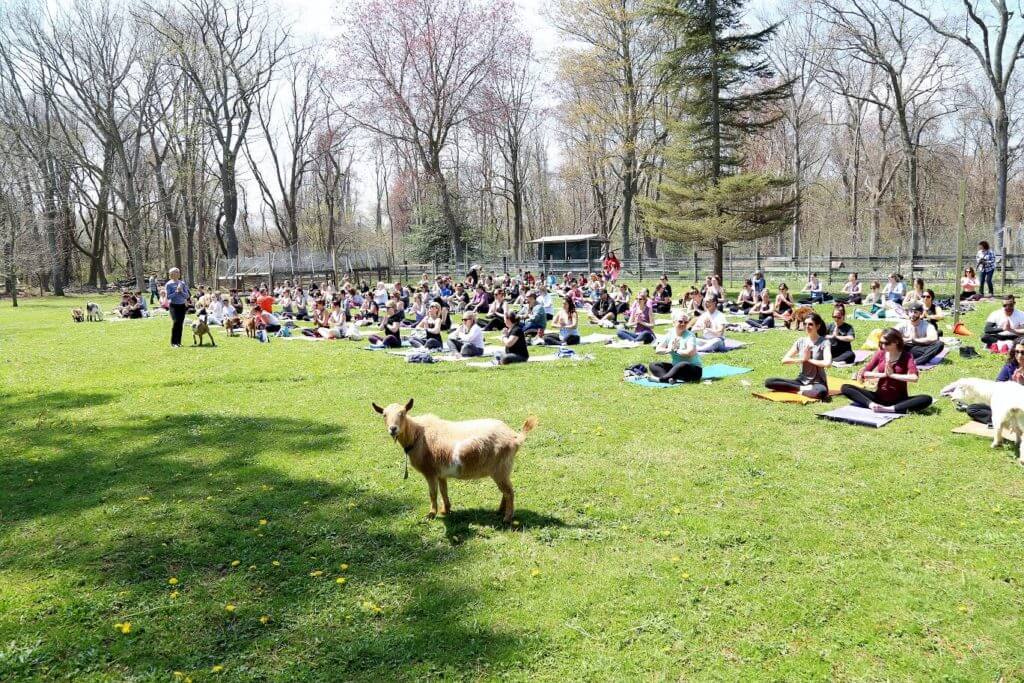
[(340, 580), (343, 566), (179, 674), (276, 563), (230, 607), (209, 498), (173, 581), (263, 522), (124, 627), (686, 576), (515, 522), (675, 558), (235, 563), (143, 498), (316, 573), (216, 668), (251, 567), (174, 594), (264, 619), (963, 609), (534, 572)]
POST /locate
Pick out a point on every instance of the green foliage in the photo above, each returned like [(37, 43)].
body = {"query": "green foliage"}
[(430, 238)]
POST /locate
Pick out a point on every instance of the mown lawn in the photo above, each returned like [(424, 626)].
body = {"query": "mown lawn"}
[(691, 533)]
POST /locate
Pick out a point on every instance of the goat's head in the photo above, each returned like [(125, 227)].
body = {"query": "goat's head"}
[(395, 417)]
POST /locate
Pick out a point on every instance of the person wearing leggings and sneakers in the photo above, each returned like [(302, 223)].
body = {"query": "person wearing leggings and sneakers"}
[(516, 349), (680, 344), (814, 355), (894, 368)]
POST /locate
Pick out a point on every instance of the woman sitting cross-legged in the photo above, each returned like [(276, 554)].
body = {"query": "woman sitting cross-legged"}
[(432, 324), (604, 310), (763, 309), (894, 368), (840, 336), (1011, 372), (496, 312), (516, 348), (814, 355), (680, 344), (641, 318), (391, 327), (467, 339), (567, 321)]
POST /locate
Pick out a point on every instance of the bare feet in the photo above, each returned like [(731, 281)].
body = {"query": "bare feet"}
[(878, 408)]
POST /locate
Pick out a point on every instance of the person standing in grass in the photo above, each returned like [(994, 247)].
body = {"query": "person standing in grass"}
[(177, 296), (986, 261), (154, 291)]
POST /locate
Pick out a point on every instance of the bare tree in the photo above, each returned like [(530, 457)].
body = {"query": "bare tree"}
[(417, 68), (229, 49), (988, 31)]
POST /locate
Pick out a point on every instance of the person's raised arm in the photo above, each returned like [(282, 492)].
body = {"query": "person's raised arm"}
[(793, 355)]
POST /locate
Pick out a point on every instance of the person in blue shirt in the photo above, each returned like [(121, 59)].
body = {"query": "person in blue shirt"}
[(681, 346), (759, 283), (177, 296), (986, 261)]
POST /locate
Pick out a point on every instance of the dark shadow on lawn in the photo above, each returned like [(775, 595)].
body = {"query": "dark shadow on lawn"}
[(114, 511), (462, 525)]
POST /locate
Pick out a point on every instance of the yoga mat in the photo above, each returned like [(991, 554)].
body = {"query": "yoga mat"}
[(532, 359), (973, 428), (652, 383), (721, 371), (785, 397), (623, 344), (835, 385), (860, 416), (858, 358), (596, 338), (936, 360)]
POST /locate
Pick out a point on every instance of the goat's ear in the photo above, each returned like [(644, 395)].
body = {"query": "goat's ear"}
[(408, 406), (377, 408)]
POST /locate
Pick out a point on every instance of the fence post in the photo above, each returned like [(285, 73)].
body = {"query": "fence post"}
[(270, 268), (830, 266), (694, 266)]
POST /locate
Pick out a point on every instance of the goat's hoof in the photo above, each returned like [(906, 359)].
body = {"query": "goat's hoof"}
[(445, 512), (432, 514)]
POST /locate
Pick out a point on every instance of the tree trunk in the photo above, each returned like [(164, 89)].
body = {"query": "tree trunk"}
[(718, 250), (12, 278), (449, 214), (1002, 127), (628, 190), (230, 191)]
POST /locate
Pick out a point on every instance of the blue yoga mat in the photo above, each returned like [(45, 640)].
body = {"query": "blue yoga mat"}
[(719, 371)]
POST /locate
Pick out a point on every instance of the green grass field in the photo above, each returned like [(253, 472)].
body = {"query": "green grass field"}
[(692, 533)]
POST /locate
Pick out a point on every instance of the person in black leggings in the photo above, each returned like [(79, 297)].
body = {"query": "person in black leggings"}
[(681, 345), (391, 327), (840, 336), (178, 296), (814, 355), (516, 349), (894, 368)]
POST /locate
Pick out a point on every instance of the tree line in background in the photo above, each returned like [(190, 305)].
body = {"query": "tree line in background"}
[(135, 135)]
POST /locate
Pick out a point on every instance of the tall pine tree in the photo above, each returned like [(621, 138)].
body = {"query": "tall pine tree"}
[(727, 97)]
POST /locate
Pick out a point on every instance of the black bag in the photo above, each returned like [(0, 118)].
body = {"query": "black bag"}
[(968, 352)]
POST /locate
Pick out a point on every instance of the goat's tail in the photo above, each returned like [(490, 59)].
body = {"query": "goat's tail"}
[(528, 427)]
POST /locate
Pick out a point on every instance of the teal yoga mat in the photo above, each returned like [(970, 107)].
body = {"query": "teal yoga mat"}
[(719, 371)]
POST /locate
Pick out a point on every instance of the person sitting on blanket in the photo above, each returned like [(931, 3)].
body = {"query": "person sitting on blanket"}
[(480, 301), (680, 344), (969, 285), (432, 325), (894, 368), (567, 321), (641, 320), (932, 310), (745, 299), (851, 291), (604, 311), (840, 336), (666, 288), (514, 340), (391, 327), (710, 326), (713, 288), (765, 319), (467, 339), (783, 309), (1011, 372), (1004, 323), (895, 289), (496, 312), (814, 355), (874, 297), (815, 294), (661, 302), (920, 336), (915, 295), (538, 317)]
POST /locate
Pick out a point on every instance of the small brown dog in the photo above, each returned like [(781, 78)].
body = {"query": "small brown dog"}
[(77, 315), (250, 327), (800, 316), (441, 450), (200, 329)]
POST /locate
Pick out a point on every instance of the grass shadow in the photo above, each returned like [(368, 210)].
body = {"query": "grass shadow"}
[(98, 517)]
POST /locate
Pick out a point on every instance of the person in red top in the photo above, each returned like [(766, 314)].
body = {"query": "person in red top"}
[(611, 266), (265, 301), (894, 368)]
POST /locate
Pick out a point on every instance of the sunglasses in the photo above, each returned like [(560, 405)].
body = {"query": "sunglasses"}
[(1019, 352)]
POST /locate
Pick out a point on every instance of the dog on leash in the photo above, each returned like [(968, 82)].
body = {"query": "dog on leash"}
[(93, 312), (1005, 398), (441, 450), (77, 315), (200, 329)]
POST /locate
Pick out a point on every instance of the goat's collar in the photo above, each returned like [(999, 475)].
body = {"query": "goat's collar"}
[(412, 444)]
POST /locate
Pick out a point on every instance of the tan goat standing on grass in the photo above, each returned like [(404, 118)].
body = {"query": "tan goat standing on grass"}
[(441, 450)]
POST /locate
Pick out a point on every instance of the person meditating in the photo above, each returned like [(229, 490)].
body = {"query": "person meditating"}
[(1004, 323), (814, 355), (467, 339), (921, 337), (681, 346), (641, 319), (710, 325), (514, 340), (894, 368), (567, 321), (840, 336)]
